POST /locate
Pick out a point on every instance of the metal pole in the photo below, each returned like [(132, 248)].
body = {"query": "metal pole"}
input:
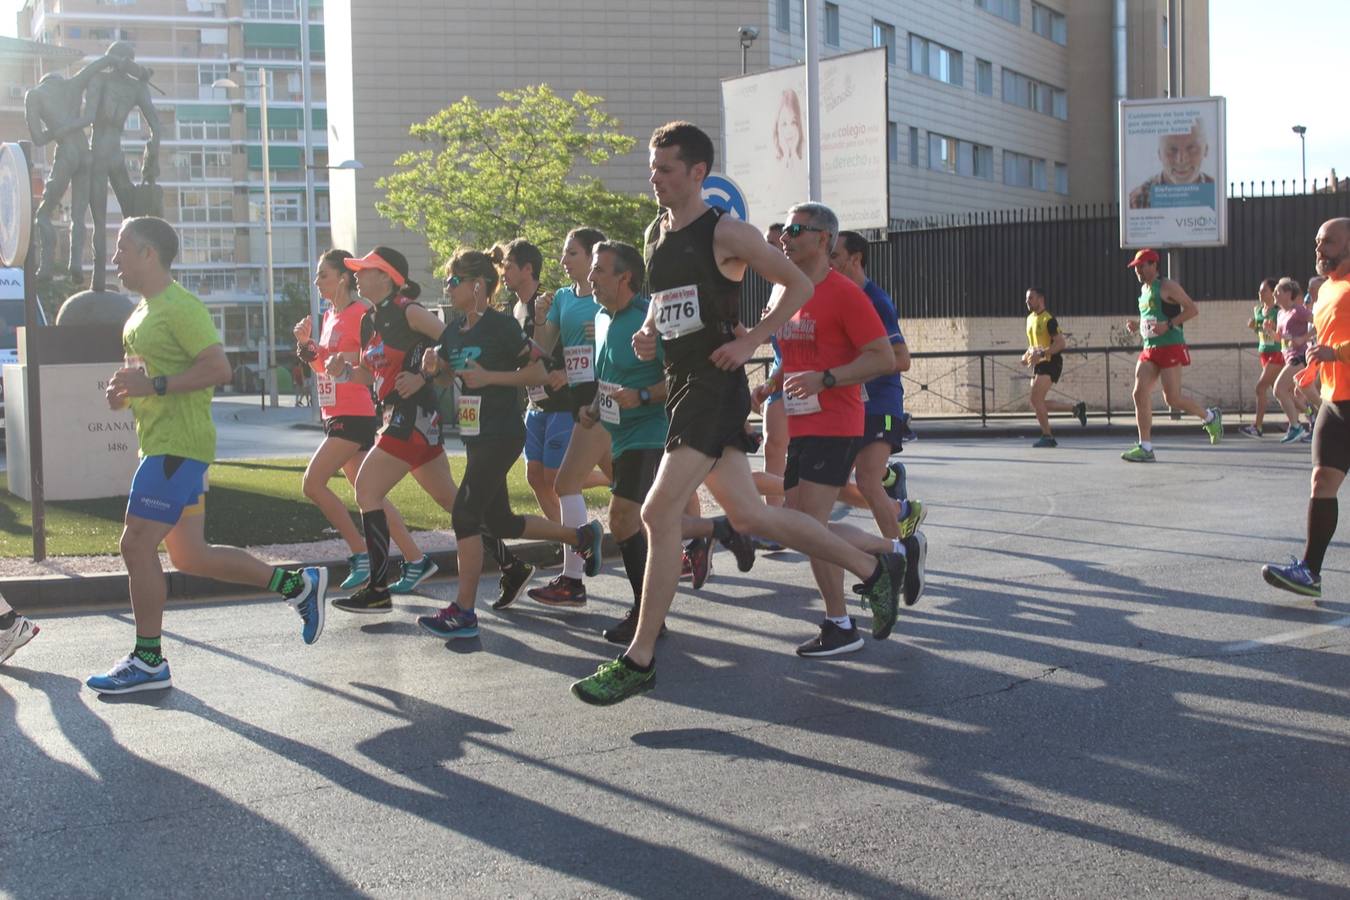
[(1303, 143), (1174, 89), (812, 35), (311, 239), (33, 394), (269, 327), (745, 57)]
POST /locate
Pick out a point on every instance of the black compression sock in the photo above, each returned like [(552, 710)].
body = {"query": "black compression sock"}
[(1322, 513), (634, 666), (876, 573), (7, 620), (721, 527), (375, 524), (287, 582), (633, 550), (496, 548), (148, 650)]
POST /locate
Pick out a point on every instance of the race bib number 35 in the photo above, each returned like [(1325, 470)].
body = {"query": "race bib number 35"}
[(469, 413), (609, 407), (677, 311), (580, 364), (327, 392)]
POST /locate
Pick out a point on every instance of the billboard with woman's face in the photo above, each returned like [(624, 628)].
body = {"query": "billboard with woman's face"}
[(764, 118), (1172, 173)]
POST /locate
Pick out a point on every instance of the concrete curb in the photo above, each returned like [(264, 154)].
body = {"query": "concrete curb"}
[(109, 591)]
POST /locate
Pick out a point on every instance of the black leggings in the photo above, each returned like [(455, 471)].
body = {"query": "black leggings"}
[(484, 502)]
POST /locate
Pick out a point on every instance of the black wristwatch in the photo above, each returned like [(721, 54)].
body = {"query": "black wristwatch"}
[(827, 379), (644, 396), (160, 384)]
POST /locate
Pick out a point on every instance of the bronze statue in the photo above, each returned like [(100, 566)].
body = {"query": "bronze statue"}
[(110, 98), (56, 111)]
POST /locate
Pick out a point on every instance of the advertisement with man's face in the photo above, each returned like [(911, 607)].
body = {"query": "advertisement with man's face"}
[(1172, 173)]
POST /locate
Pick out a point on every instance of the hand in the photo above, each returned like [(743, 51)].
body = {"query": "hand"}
[(1321, 352), (587, 416), (644, 343), (130, 383), (731, 355), (473, 376), (556, 381), (1132, 326), (303, 329), (761, 393), (627, 398), (804, 384), (409, 383), (334, 365), (542, 304)]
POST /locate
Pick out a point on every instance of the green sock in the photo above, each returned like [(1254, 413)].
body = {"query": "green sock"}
[(287, 582), (148, 650)]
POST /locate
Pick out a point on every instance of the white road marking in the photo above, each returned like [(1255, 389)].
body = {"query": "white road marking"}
[(1288, 637)]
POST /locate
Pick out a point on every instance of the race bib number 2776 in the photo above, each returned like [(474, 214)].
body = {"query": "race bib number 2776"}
[(677, 311)]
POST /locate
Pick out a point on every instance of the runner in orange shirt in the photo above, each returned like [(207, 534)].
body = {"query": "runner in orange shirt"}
[(1330, 356)]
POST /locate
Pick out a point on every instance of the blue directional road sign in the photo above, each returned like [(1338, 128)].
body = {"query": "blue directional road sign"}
[(723, 193)]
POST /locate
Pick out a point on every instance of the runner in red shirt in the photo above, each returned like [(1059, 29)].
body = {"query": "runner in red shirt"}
[(348, 410), (830, 346)]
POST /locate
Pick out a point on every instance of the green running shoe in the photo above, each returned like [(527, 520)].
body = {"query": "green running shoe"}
[(1138, 454), (413, 575), (1045, 441), (1214, 427), (883, 599), (913, 519), (359, 574), (614, 682)]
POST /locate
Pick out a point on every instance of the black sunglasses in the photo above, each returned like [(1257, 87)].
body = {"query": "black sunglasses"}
[(796, 228)]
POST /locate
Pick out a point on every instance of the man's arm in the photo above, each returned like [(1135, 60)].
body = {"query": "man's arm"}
[(210, 368), (743, 241), (901, 354), (1175, 293), (874, 359)]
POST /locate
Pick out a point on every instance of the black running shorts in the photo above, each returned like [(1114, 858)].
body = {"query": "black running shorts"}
[(360, 430), (634, 473), (708, 410), (819, 460), (1331, 436)]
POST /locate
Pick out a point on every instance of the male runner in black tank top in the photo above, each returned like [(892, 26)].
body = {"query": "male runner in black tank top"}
[(696, 259)]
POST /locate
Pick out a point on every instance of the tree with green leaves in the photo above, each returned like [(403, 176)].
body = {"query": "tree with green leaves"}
[(490, 174)]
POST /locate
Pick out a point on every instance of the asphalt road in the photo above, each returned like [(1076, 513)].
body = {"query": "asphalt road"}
[(1097, 697)]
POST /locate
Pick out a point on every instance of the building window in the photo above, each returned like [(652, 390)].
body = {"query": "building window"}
[(1023, 171), (984, 77), (1028, 93), (1004, 9), (271, 9), (832, 24), (133, 122), (286, 207), (206, 281), (883, 35), (205, 205), (207, 75), (934, 60), (251, 85), (203, 131), (1061, 178), (782, 19), (199, 163), (1049, 24), (892, 142), (206, 245), (913, 146), (958, 157)]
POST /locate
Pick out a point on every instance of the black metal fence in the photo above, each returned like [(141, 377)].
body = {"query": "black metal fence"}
[(980, 264)]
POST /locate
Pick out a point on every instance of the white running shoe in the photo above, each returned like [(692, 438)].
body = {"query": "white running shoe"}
[(15, 636)]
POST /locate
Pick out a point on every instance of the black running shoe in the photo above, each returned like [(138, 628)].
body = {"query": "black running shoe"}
[(742, 546), (367, 600), (699, 554), (916, 554), (833, 640), (622, 631), (513, 581)]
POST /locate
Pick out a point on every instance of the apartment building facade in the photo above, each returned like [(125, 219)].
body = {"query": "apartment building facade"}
[(211, 140)]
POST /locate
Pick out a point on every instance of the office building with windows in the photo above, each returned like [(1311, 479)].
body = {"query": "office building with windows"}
[(211, 140)]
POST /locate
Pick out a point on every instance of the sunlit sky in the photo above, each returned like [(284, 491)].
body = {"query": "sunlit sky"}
[(1278, 65)]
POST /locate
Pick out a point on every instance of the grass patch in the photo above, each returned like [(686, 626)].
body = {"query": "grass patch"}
[(252, 501)]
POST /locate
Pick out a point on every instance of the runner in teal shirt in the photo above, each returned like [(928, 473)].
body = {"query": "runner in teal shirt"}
[(622, 378)]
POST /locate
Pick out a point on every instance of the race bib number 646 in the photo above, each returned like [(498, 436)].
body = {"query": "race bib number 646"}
[(677, 311)]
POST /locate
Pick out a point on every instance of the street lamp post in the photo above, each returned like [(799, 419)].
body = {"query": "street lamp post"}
[(1301, 131), (747, 34)]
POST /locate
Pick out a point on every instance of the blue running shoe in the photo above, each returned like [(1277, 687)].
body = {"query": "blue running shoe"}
[(358, 566), (310, 603), (129, 676), (451, 622), (413, 575), (1295, 577), (590, 538)]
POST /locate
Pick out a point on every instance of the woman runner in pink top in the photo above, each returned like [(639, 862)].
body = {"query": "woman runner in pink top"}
[(348, 409)]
